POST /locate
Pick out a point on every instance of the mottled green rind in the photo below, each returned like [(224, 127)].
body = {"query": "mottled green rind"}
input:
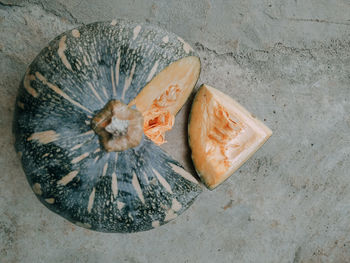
[(47, 163)]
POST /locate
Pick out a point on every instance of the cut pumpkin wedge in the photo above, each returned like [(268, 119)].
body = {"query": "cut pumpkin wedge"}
[(161, 99), (222, 135)]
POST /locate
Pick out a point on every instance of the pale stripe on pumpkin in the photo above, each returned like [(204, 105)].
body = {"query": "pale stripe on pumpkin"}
[(113, 83), (75, 33), (95, 92), (137, 30), (120, 205), (79, 158), (89, 132), (76, 147), (136, 184), (104, 91), (128, 80), (86, 133), (153, 71), (97, 150), (61, 48), (165, 39), (26, 83), (114, 185), (162, 181), (155, 223), (146, 177), (44, 137), (117, 69), (68, 178), (91, 200), (20, 104), (176, 206), (170, 215), (50, 200), (183, 173), (37, 189), (185, 46), (59, 91), (85, 60), (104, 171)]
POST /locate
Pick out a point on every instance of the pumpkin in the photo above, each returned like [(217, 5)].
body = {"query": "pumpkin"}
[(91, 110), (222, 135)]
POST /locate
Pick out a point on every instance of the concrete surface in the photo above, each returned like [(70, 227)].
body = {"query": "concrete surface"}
[(286, 61)]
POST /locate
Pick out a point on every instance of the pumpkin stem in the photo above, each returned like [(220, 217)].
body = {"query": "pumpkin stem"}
[(118, 126)]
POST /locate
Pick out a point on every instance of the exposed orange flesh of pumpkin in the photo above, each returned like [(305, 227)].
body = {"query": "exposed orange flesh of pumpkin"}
[(158, 119), (222, 135), (161, 99), (222, 130)]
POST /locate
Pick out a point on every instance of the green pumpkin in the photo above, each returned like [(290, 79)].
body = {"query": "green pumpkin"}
[(66, 85)]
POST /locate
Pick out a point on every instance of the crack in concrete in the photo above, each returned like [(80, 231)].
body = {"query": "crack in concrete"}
[(270, 16), (55, 8), (310, 20), (58, 10), (8, 4), (316, 20), (236, 55), (202, 47), (292, 49)]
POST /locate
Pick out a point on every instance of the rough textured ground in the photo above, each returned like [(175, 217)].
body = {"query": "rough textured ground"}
[(286, 61)]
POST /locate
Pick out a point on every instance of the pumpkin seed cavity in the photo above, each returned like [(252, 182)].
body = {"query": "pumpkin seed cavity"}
[(223, 128), (158, 119)]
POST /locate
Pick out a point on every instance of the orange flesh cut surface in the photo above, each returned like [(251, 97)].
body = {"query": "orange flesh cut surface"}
[(158, 120), (161, 99), (222, 135)]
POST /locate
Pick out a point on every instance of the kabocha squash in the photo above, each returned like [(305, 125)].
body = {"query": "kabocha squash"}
[(83, 148), (222, 135)]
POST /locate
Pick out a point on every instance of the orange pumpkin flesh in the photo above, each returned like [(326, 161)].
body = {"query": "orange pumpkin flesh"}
[(161, 99), (222, 135)]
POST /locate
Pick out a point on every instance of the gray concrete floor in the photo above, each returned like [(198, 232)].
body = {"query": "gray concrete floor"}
[(288, 62)]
